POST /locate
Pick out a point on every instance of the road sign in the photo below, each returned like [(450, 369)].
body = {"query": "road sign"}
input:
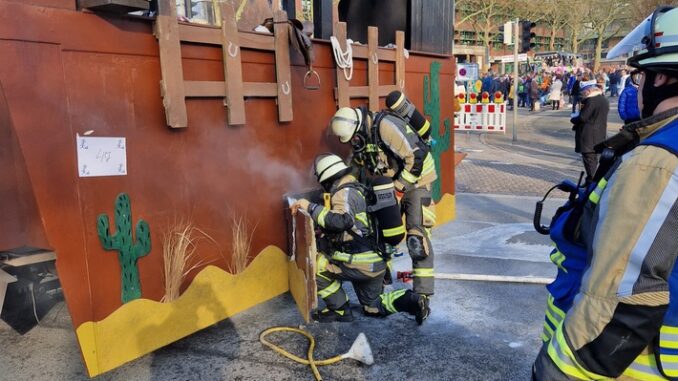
[(467, 72)]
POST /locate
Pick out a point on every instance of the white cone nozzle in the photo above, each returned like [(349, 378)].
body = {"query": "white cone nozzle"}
[(360, 350)]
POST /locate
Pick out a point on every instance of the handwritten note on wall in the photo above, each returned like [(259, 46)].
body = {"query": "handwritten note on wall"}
[(101, 156)]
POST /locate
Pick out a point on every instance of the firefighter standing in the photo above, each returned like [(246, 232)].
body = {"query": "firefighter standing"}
[(347, 254), (384, 144), (623, 321)]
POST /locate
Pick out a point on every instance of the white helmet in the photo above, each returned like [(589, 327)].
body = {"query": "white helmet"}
[(653, 43), (345, 123), (327, 166)]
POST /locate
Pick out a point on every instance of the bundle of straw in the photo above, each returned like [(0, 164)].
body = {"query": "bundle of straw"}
[(242, 242), (179, 251)]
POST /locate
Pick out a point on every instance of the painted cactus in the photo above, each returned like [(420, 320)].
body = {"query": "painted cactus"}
[(432, 108), (122, 241)]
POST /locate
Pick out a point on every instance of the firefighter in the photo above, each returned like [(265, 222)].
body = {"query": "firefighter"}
[(623, 321), (384, 144), (347, 253)]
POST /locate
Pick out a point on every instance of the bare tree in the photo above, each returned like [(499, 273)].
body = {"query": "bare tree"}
[(555, 18), (606, 18), (640, 9), (484, 16)]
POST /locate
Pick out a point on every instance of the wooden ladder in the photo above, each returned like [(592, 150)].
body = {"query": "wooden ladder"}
[(373, 54), (174, 89)]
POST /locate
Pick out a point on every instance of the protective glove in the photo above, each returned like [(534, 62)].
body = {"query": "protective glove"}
[(299, 204)]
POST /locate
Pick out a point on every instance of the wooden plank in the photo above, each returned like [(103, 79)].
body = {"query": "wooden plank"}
[(205, 89), (217, 89), (400, 60), (260, 89), (362, 52), (258, 41), (373, 68), (230, 48), (343, 99), (31, 259), (205, 34), (6, 279), (363, 91), (171, 85), (282, 65)]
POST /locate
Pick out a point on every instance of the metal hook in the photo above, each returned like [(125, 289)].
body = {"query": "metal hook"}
[(402, 84), (375, 58), (286, 88), (232, 52)]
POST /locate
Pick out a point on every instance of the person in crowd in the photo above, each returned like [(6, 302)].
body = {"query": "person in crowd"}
[(533, 93), (556, 93), (590, 125)]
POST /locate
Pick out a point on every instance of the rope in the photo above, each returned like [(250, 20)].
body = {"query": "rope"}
[(310, 361), (343, 59)]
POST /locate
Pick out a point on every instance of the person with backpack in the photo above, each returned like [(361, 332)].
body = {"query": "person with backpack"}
[(612, 311), (347, 252), (386, 144)]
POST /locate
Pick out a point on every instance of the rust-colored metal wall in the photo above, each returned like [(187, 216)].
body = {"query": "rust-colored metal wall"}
[(65, 72)]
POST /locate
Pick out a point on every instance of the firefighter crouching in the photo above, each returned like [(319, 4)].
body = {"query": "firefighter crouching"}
[(385, 144), (346, 254)]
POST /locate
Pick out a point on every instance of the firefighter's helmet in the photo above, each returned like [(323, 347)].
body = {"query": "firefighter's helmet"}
[(653, 44), (328, 166), (345, 123)]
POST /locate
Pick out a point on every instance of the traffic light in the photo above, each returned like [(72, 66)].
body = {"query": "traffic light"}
[(506, 33), (526, 36)]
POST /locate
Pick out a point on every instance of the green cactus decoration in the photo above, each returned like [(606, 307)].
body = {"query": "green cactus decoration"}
[(128, 251), (441, 143)]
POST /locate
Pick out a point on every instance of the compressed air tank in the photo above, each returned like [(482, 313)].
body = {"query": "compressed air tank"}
[(385, 211), (398, 103)]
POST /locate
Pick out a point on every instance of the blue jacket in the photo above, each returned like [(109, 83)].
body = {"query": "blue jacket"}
[(628, 104)]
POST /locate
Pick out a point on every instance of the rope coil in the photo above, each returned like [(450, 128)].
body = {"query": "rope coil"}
[(344, 59)]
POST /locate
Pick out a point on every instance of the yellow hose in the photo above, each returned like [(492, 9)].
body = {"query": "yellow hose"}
[(310, 361)]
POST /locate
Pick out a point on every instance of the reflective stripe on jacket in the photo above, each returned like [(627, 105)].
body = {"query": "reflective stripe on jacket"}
[(620, 310), (409, 158)]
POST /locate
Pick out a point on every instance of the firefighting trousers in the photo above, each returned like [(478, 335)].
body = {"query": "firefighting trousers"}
[(420, 217), (368, 286)]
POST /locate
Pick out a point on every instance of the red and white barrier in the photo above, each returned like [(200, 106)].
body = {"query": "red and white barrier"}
[(488, 117)]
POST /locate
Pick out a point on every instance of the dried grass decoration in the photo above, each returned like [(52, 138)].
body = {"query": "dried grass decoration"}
[(179, 251), (242, 243)]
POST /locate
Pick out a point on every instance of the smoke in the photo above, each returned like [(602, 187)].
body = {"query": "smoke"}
[(273, 167), (275, 171)]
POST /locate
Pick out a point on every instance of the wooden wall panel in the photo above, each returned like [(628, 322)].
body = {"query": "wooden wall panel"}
[(209, 172)]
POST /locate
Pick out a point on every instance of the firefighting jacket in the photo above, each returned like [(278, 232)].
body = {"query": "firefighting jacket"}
[(409, 160), (618, 325), (347, 212)]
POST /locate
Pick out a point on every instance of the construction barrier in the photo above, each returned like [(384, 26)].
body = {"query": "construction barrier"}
[(486, 117)]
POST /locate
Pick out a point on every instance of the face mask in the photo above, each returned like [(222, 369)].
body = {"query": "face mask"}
[(653, 96)]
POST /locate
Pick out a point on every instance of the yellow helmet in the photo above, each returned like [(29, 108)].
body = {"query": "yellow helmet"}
[(345, 123), (327, 166)]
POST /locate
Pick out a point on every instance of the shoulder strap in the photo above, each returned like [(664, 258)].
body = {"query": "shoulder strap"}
[(666, 138)]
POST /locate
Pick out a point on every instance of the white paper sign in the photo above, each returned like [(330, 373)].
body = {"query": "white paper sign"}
[(475, 119), (101, 156)]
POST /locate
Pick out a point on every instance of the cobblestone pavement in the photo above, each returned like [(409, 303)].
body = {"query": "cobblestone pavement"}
[(542, 155)]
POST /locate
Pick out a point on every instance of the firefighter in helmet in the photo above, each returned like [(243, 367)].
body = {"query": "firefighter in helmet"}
[(346, 252), (384, 144), (623, 321)]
